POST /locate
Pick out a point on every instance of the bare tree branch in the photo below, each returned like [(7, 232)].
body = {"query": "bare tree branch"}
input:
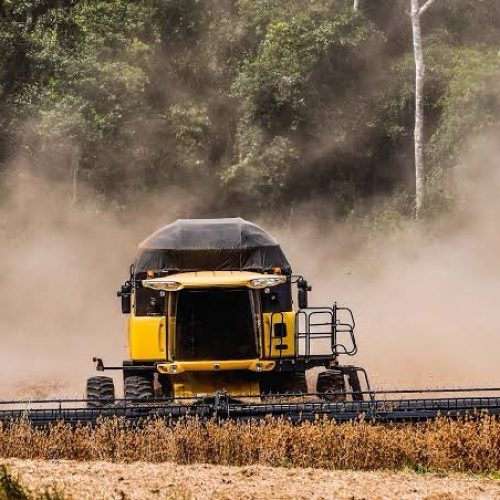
[(424, 7)]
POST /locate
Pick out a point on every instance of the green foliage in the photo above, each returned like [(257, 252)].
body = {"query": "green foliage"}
[(263, 101), (470, 102), (190, 125), (281, 87), (261, 175), (281, 72), (94, 58)]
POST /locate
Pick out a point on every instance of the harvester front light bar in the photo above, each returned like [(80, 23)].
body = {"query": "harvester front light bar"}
[(267, 281), (171, 286)]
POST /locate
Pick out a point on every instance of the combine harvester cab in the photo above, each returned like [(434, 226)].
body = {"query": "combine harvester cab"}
[(211, 310)]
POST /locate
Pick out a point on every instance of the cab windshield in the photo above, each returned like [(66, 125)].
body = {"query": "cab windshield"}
[(215, 324)]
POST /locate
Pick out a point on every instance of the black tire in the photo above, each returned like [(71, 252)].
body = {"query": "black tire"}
[(331, 385), (139, 387), (294, 383), (284, 383), (166, 389), (100, 392)]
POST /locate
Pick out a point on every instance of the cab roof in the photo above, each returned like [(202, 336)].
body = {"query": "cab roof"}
[(230, 244)]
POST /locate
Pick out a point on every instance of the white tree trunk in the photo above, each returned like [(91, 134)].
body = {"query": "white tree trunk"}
[(419, 107), (416, 16), (356, 5), (75, 171)]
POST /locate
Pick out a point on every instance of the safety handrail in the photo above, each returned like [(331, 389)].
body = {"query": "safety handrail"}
[(305, 324)]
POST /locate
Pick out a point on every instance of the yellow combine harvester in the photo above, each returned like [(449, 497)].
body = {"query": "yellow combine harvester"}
[(210, 310)]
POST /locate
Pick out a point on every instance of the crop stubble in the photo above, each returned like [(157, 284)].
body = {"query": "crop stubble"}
[(96, 480)]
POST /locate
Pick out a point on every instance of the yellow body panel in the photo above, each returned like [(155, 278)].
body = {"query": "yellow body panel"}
[(147, 337), (255, 365), (271, 343), (211, 279), (197, 385)]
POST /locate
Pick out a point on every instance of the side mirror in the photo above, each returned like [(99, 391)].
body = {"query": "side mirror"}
[(124, 293), (303, 294), (303, 299)]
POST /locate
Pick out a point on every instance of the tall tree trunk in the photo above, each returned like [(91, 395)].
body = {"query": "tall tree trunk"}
[(419, 107), (75, 170), (356, 5), (416, 16)]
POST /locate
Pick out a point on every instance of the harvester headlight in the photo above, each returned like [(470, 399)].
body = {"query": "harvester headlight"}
[(267, 281), (171, 286)]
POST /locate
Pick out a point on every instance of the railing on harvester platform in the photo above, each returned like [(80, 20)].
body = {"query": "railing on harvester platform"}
[(320, 333)]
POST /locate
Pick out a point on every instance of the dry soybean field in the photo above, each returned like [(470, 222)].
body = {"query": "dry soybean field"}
[(272, 458)]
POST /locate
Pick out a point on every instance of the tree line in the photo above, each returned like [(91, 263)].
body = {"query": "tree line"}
[(264, 103)]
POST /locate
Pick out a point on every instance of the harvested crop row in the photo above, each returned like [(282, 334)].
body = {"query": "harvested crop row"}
[(464, 445)]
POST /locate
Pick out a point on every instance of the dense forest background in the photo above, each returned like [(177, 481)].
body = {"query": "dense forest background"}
[(254, 105)]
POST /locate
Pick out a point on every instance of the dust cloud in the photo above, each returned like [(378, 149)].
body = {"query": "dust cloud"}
[(61, 264), (425, 299)]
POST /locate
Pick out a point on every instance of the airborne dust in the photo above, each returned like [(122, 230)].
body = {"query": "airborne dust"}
[(61, 265), (425, 298)]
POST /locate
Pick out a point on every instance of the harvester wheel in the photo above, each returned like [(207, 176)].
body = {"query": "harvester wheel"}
[(285, 383), (100, 392), (295, 383), (331, 385), (139, 387), (165, 390)]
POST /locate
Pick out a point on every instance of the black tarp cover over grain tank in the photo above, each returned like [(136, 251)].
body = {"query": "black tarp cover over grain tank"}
[(210, 245)]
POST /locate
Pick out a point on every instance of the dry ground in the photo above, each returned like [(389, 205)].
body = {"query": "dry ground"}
[(140, 480)]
